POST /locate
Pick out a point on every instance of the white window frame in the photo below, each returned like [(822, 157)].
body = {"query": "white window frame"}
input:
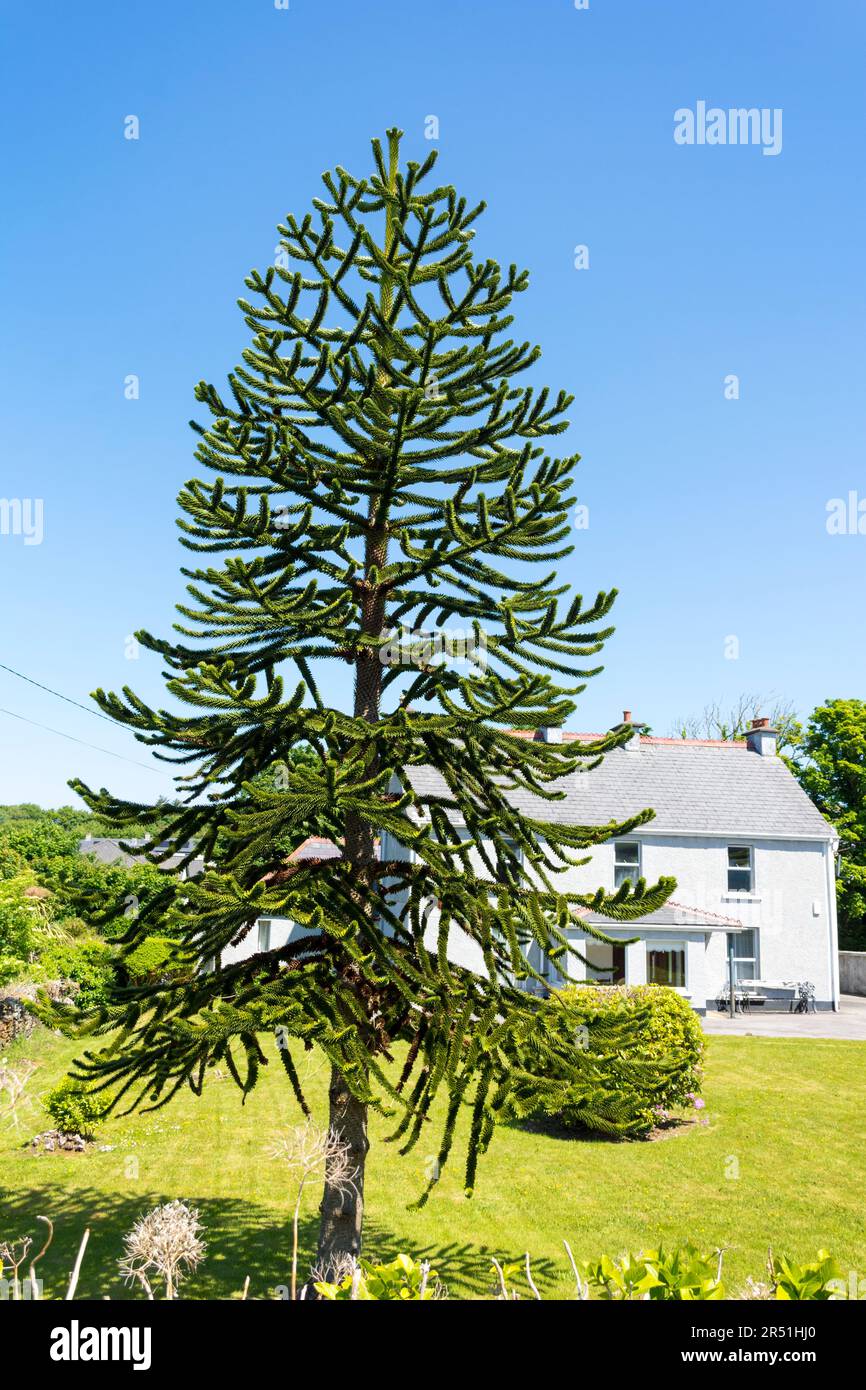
[(655, 944), (729, 869), (264, 937), (636, 868)]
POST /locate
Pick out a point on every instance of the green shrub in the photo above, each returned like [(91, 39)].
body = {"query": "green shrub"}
[(668, 1027), (153, 958), (74, 1108), (611, 1060), (18, 918), (11, 967), (87, 962)]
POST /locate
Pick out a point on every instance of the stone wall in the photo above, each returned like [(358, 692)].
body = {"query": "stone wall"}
[(15, 1021), (852, 972)]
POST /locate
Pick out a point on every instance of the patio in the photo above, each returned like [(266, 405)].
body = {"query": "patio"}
[(849, 1023)]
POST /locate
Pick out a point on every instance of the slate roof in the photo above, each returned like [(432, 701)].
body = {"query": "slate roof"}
[(108, 851), (694, 787), (317, 849)]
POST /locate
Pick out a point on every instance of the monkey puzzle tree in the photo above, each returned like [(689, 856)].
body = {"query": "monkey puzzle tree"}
[(378, 477)]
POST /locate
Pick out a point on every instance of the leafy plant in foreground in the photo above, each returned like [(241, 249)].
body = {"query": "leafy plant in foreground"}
[(683, 1273), (403, 1280)]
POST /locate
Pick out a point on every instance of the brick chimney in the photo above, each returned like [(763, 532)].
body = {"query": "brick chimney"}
[(633, 745), (546, 734), (761, 739)]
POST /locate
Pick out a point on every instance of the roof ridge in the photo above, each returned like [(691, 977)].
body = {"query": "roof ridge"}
[(572, 736)]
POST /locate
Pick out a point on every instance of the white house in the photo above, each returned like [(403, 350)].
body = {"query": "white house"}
[(753, 859)]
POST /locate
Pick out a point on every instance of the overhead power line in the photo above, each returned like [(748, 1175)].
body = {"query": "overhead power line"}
[(87, 708), (82, 741)]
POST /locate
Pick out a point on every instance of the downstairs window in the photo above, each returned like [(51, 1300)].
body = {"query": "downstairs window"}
[(666, 965)]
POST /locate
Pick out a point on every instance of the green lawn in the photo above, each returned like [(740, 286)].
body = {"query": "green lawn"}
[(786, 1115)]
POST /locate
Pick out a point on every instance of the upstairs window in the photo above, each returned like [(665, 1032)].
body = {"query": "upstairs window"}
[(626, 862), (264, 934), (739, 869)]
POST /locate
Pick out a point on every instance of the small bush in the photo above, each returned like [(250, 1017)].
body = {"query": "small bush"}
[(87, 962), (153, 959), (74, 1108), (612, 1060)]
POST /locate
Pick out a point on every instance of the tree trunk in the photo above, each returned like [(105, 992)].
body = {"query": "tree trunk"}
[(342, 1212)]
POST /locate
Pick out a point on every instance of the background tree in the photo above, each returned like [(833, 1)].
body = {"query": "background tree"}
[(377, 476), (731, 721), (831, 766)]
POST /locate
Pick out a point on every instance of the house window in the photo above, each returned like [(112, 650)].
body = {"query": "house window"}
[(626, 862), (744, 945), (739, 869), (606, 963), (264, 934), (666, 965)]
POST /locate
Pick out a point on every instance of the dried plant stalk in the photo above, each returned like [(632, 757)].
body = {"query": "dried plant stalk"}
[(309, 1151)]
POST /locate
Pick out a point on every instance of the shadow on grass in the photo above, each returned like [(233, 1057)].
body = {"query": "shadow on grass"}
[(553, 1128), (242, 1239)]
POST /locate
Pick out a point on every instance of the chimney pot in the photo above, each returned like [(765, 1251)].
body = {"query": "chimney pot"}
[(626, 716)]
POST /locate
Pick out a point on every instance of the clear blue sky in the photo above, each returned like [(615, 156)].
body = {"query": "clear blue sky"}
[(123, 257)]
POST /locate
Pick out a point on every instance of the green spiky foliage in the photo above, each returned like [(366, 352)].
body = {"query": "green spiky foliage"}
[(612, 1090), (376, 473)]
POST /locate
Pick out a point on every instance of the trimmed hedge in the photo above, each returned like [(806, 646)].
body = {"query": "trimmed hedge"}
[(612, 1060)]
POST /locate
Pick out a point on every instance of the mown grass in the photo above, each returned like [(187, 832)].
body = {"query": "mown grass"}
[(776, 1159)]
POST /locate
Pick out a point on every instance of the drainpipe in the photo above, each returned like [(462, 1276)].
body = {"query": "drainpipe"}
[(832, 923)]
